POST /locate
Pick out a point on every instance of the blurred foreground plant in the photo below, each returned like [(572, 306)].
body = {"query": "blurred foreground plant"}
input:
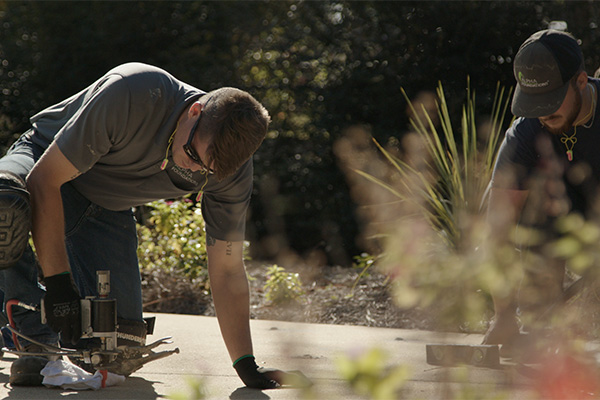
[(369, 375), (461, 168), (196, 390), (577, 245), (432, 218), (440, 253)]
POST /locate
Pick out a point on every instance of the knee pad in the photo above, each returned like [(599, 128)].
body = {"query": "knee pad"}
[(15, 218)]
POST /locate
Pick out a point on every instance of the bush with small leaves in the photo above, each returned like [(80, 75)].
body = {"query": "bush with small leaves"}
[(281, 286)]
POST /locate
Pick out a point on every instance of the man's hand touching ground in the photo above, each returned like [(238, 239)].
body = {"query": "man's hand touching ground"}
[(266, 378)]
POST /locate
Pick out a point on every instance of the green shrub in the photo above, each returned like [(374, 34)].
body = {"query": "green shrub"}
[(196, 390), (173, 239), (364, 262), (281, 286)]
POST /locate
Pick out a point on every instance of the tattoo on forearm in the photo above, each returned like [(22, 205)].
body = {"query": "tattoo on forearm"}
[(229, 248), (210, 241)]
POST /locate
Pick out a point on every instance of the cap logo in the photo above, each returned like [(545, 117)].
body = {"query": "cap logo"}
[(531, 83)]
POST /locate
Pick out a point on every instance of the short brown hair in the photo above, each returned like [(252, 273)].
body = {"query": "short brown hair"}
[(238, 124)]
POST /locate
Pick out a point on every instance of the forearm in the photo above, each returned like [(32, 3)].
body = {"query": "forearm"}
[(504, 210), (229, 286), (231, 298), (48, 230), (230, 291)]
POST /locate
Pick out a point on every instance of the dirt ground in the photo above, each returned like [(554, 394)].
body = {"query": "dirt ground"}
[(333, 295), (336, 295)]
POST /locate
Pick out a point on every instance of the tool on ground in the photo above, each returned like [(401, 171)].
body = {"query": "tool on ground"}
[(98, 321), (489, 355), (457, 354)]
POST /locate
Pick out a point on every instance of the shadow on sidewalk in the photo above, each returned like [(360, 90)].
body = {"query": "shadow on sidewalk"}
[(132, 388), (245, 393)]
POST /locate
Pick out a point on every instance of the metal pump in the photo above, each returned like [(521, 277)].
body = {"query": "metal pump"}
[(98, 320)]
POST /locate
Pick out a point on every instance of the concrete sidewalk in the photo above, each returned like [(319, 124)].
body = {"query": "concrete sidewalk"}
[(310, 348)]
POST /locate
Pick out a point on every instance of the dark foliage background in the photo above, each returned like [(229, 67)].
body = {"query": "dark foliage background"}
[(320, 67)]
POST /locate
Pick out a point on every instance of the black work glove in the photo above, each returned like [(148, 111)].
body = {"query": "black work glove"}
[(252, 376), (62, 307), (266, 378)]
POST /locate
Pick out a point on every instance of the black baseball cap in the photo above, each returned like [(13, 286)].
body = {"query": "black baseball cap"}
[(543, 66)]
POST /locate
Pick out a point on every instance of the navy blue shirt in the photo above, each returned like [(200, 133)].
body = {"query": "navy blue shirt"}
[(530, 153)]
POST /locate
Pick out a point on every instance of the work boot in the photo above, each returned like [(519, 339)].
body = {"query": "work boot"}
[(26, 370)]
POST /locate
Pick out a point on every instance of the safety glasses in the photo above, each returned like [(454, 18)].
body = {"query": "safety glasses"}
[(191, 152)]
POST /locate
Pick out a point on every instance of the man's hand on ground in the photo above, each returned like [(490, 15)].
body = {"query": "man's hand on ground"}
[(249, 373), (62, 307), (266, 378), (502, 330)]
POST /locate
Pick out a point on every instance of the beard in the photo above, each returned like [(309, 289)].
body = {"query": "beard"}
[(569, 119)]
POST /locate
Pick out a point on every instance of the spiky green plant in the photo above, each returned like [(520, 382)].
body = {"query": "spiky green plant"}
[(463, 169), (430, 249)]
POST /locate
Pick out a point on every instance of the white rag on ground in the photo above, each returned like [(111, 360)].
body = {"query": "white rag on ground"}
[(69, 376)]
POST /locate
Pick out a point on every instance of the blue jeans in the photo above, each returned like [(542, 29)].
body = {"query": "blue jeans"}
[(96, 239)]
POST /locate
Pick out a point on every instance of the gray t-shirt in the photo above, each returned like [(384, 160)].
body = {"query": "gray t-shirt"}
[(116, 132)]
